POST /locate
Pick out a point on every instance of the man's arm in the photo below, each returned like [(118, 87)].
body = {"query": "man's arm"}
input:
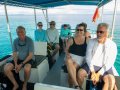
[(29, 57), (15, 57), (47, 36)]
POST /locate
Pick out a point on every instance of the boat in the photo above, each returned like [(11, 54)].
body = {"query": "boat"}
[(42, 77)]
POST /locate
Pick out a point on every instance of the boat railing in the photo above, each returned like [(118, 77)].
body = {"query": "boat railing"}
[(92, 32)]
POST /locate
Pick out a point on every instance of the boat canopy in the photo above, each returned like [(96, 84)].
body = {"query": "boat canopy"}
[(52, 3)]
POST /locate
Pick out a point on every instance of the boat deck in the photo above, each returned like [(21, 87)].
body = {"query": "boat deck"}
[(53, 77)]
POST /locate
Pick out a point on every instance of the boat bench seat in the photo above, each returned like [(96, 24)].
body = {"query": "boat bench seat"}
[(38, 60), (39, 69)]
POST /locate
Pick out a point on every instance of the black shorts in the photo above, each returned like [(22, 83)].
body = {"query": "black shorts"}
[(96, 68), (20, 61)]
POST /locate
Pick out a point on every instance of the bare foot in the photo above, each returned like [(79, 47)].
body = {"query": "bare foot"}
[(15, 87), (24, 87)]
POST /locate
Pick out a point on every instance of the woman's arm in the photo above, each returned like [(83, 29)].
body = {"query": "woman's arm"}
[(69, 43), (87, 39)]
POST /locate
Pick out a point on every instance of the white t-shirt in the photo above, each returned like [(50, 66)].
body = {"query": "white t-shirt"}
[(98, 59)]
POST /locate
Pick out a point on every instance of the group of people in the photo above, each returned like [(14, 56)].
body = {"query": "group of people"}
[(83, 56), (51, 36)]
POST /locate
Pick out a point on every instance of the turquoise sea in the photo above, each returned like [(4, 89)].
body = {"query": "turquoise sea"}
[(28, 22)]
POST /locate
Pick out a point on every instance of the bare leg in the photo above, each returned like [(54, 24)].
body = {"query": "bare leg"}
[(111, 82), (70, 82), (106, 82), (81, 75), (72, 71), (27, 70), (8, 72), (57, 47), (115, 87)]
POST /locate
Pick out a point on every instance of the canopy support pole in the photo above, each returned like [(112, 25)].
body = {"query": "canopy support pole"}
[(102, 14), (8, 25), (113, 21), (46, 16), (35, 18)]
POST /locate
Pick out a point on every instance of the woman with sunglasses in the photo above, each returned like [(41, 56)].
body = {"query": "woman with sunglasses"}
[(75, 53), (40, 34)]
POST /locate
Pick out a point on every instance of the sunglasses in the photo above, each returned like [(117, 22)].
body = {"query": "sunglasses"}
[(80, 30), (40, 25), (52, 24), (101, 32)]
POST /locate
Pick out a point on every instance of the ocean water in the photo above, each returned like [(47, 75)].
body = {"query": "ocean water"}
[(28, 22)]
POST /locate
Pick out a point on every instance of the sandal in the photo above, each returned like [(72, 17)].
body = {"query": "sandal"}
[(78, 87)]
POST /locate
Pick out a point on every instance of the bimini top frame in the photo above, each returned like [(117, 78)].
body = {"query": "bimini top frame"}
[(52, 3)]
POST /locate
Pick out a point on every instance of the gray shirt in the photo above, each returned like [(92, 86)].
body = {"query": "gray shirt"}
[(52, 36), (23, 48)]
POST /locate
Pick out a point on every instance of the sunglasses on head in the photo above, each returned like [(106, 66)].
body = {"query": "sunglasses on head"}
[(80, 30), (21, 44), (101, 32)]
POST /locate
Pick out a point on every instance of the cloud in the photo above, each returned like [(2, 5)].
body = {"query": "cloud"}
[(69, 9)]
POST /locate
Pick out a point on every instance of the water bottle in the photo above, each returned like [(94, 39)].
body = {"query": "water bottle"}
[(92, 87)]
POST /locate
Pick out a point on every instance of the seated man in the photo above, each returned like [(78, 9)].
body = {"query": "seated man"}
[(53, 39), (100, 57), (23, 49), (40, 34)]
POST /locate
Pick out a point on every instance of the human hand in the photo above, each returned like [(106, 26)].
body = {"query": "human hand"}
[(96, 79), (68, 55), (93, 75), (18, 68), (51, 43)]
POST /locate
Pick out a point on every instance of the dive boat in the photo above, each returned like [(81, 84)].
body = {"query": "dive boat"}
[(42, 77)]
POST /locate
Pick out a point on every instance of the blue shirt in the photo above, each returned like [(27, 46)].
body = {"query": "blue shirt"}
[(40, 35), (65, 33)]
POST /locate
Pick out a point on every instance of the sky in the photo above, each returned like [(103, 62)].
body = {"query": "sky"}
[(69, 9)]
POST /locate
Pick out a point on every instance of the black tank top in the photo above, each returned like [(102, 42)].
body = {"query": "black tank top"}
[(79, 50)]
